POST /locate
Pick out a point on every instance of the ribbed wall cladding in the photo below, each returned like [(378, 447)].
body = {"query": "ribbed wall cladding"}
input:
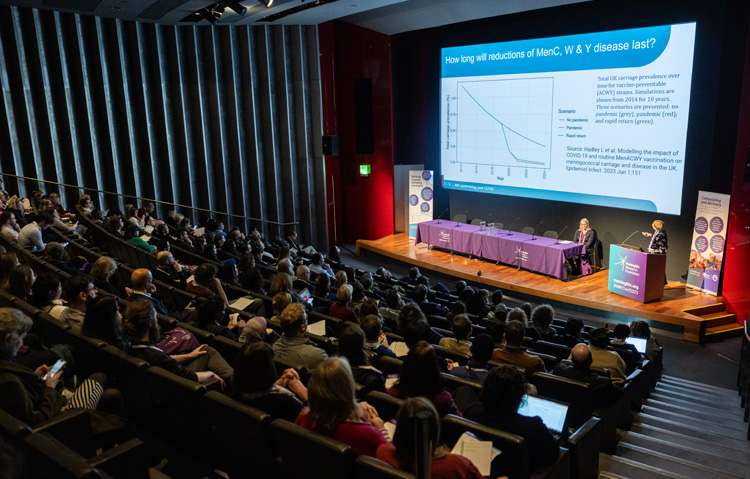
[(224, 118)]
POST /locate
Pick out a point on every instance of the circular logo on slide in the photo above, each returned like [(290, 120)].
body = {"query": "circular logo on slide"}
[(413, 200), (425, 207), (701, 225), (427, 193), (717, 244), (426, 175), (701, 244), (717, 225)]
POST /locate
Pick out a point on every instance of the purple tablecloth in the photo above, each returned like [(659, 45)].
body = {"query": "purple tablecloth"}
[(541, 254)]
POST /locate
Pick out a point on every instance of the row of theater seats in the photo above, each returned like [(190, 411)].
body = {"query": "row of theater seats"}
[(581, 441), (743, 376)]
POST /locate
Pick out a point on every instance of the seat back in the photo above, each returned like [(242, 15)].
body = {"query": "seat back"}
[(86, 351), (235, 426), (323, 457), (514, 460), (460, 218), (127, 373), (386, 405), (560, 351), (48, 457), (527, 230), (551, 234), (371, 468), (228, 348)]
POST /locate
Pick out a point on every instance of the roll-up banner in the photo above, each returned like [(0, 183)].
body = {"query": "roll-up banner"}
[(421, 192), (709, 239)]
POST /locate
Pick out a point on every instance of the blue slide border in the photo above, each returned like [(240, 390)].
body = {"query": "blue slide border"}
[(581, 198)]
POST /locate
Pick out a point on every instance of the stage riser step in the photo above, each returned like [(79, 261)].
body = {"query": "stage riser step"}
[(672, 464), (705, 310), (717, 319), (728, 413), (724, 332), (693, 429), (689, 412), (621, 467), (723, 446), (667, 379), (705, 458), (716, 401)]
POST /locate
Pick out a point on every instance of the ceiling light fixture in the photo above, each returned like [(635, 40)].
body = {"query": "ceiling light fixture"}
[(236, 6)]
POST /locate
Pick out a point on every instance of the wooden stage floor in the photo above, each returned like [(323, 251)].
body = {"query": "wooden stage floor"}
[(587, 291)]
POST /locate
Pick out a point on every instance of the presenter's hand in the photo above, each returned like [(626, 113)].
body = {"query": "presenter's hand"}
[(646, 234)]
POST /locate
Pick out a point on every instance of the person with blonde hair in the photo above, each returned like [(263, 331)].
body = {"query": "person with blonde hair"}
[(340, 309), (334, 412), (658, 244)]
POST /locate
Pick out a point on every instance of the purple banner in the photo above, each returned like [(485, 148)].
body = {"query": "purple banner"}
[(709, 236), (541, 255)]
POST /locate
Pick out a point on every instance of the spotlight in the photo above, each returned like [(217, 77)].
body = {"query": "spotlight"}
[(267, 3), (236, 6), (210, 14)]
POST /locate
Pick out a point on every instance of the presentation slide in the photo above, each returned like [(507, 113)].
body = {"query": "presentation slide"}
[(597, 118)]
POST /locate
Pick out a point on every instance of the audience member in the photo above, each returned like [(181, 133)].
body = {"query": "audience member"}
[(641, 329), (375, 341), (293, 347), (333, 410), (419, 296), (9, 228), (420, 376), (78, 290), (514, 353), (132, 236), (30, 236), (256, 331), (143, 288), (602, 390), (257, 384), (205, 283), (210, 315), (103, 271), (56, 255), (502, 393), (461, 330), (402, 452), (572, 336), (481, 352), (46, 292), (542, 317), (104, 321), (249, 275), (627, 352), (8, 261), (20, 281), (602, 358), (352, 347), (340, 309)]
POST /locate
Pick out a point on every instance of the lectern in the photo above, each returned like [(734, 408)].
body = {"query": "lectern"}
[(635, 274)]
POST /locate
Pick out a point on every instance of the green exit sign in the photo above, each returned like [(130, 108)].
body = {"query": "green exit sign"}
[(364, 170)]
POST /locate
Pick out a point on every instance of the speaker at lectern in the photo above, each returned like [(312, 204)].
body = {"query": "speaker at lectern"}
[(635, 274)]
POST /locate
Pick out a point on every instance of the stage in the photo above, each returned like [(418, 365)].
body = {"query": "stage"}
[(587, 291)]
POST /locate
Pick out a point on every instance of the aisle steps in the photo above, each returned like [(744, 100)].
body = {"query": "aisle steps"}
[(686, 430), (717, 322)]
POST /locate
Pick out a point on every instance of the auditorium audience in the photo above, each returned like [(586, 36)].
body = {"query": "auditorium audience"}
[(420, 376), (30, 236), (293, 347), (257, 384), (334, 412), (514, 353), (402, 452), (502, 393)]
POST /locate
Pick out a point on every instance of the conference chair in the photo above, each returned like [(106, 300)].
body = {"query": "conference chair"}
[(319, 457), (551, 234), (371, 468), (460, 218), (476, 221), (528, 230)]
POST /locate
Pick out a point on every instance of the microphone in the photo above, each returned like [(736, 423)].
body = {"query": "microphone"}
[(458, 223), (509, 227), (537, 226), (441, 214), (561, 232), (631, 235)]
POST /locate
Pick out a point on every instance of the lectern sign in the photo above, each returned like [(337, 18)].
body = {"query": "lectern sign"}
[(636, 275)]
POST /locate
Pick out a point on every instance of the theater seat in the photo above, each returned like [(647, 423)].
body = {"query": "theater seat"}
[(371, 468), (308, 454)]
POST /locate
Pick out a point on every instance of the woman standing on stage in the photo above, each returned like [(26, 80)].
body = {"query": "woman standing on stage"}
[(658, 243)]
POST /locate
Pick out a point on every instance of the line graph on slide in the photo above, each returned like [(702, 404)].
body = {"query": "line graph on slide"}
[(505, 122)]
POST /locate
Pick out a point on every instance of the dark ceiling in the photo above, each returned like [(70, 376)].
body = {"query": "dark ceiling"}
[(385, 16)]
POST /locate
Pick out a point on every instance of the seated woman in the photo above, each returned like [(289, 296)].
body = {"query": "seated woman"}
[(402, 452), (502, 393), (541, 318), (46, 292), (584, 234), (140, 328), (257, 384), (340, 309), (211, 316), (352, 347), (32, 395), (8, 261), (333, 411), (20, 281), (420, 376), (205, 283), (102, 271), (641, 329), (104, 321)]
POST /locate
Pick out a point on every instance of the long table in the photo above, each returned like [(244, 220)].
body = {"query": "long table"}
[(541, 255)]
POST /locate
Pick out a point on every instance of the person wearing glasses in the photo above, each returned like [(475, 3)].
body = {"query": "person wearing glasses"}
[(78, 291)]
